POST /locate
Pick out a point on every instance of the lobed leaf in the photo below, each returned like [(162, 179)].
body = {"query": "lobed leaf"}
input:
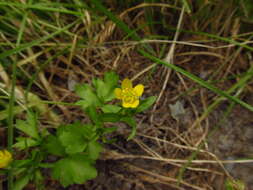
[(21, 182), (29, 126), (88, 96), (105, 89), (53, 146), (94, 149), (75, 169), (24, 143)]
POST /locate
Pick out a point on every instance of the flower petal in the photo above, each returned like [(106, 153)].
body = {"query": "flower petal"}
[(8, 154), (126, 83), (139, 89), (118, 93), (6, 158), (126, 105), (135, 104)]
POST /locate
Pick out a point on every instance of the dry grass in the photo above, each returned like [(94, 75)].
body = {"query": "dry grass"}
[(163, 146)]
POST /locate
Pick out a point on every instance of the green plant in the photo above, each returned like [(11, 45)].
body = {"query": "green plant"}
[(234, 185), (70, 153)]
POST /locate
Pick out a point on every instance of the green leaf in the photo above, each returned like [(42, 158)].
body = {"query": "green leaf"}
[(76, 169), (109, 130), (90, 132), (21, 182), (93, 115), (83, 103), (109, 117), (29, 126), (111, 81), (75, 137), (110, 108), (234, 185), (101, 88), (23, 143), (73, 142), (130, 121), (88, 96), (105, 89), (145, 104), (21, 163), (94, 149), (53, 146), (38, 179), (46, 165)]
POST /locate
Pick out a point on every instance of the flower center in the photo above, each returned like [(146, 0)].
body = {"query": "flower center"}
[(129, 95)]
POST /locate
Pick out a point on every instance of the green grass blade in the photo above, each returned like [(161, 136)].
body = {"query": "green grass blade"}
[(22, 27), (240, 84), (198, 80), (131, 33), (35, 42), (213, 36), (41, 7), (195, 153), (12, 99), (187, 6), (32, 79), (116, 20)]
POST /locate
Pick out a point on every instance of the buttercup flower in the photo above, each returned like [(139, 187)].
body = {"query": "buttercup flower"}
[(129, 95), (5, 158)]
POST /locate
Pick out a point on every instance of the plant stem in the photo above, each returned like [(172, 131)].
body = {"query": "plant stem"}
[(10, 120)]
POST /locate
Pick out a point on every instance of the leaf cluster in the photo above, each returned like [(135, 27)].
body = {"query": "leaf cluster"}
[(71, 151)]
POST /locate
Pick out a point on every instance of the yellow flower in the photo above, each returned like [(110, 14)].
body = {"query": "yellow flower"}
[(128, 94), (5, 158)]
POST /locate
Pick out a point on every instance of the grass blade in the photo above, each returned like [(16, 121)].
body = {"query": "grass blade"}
[(240, 84), (12, 99), (41, 7), (35, 42), (130, 33), (187, 6), (198, 80)]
